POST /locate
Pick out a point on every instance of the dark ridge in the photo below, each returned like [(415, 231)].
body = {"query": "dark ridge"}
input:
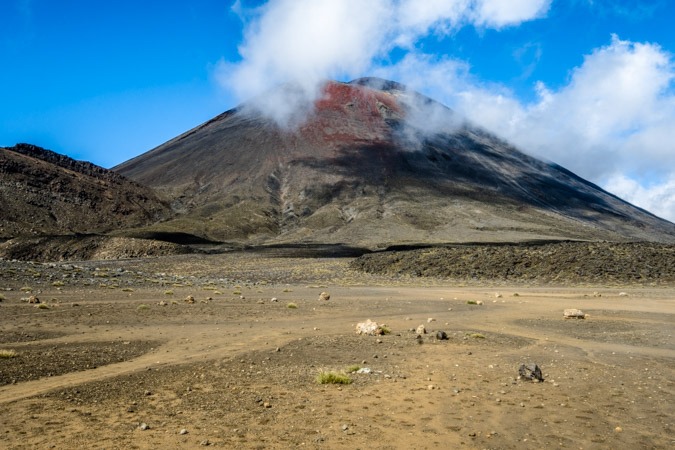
[(379, 84), (172, 237), (308, 250), (83, 167)]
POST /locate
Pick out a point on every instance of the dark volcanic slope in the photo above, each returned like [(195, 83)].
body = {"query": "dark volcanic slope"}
[(375, 165), (42, 192)]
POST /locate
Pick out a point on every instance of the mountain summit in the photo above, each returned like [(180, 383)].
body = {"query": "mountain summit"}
[(373, 165)]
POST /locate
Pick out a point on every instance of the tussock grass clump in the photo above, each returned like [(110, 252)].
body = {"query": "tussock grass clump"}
[(58, 283), (26, 289), (353, 368), (287, 290), (292, 305), (2, 298), (217, 293), (385, 329), (333, 378), (477, 336), (42, 306), (471, 302), (7, 354), (237, 292), (168, 292), (127, 290), (142, 307)]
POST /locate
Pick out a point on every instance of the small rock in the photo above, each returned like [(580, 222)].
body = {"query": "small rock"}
[(205, 443), (183, 431), (421, 330), (441, 335), (573, 314), (618, 430), (189, 299), (623, 294), (369, 328), (431, 319), (530, 372), (144, 426), (344, 427), (274, 299), (479, 302), (267, 405), (147, 393), (324, 296), (33, 299)]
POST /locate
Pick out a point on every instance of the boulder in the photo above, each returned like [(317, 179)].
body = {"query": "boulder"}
[(324, 296), (441, 335)]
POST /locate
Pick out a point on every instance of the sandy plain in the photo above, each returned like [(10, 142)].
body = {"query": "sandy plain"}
[(238, 370)]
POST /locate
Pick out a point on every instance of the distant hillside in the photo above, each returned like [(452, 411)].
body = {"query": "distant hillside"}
[(375, 165), (45, 193)]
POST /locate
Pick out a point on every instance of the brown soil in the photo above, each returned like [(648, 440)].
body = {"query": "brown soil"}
[(238, 370)]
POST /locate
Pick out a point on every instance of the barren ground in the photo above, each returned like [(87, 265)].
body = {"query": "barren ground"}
[(237, 370)]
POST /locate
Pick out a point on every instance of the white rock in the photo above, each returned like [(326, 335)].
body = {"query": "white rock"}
[(369, 328), (574, 314)]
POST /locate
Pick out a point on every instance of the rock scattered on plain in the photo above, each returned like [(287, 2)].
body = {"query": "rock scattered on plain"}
[(369, 328), (572, 313)]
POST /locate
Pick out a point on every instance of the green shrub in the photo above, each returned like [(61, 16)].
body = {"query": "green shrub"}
[(292, 305), (6, 354), (333, 378)]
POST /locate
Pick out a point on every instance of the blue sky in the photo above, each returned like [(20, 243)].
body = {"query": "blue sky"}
[(588, 84)]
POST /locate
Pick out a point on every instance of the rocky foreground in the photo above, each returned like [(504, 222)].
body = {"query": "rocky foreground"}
[(559, 263), (227, 350)]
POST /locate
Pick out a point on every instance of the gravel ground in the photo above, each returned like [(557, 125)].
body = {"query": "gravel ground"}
[(564, 263)]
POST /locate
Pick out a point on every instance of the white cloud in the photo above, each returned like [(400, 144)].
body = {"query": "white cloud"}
[(500, 13), (308, 41), (658, 199)]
